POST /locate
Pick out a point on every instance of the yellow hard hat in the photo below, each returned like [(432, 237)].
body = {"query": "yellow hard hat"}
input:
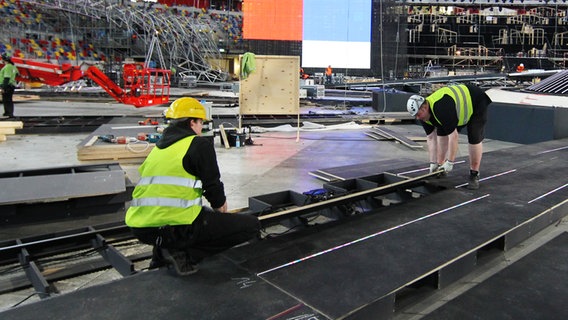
[(186, 108)]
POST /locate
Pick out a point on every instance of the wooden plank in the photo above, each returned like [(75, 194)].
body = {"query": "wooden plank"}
[(2, 137), (26, 97), (12, 124), (7, 130), (390, 120), (92, 141), (115, 152), (224, 136), (92, 148)]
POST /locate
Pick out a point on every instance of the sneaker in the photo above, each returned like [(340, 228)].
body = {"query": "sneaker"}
[(180, 261), (473, 182)]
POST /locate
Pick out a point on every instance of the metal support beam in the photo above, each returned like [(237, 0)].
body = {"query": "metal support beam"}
[(116, 259), (33, 273)]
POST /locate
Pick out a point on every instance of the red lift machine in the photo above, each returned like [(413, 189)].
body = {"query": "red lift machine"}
[(143, 86)]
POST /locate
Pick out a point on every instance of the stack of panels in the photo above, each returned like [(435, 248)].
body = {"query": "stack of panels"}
[(63, 192)]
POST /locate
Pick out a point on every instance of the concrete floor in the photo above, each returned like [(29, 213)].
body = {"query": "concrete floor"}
[(278, 160)]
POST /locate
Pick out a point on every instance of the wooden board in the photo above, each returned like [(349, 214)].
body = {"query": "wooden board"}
[(273, 88), (27, 97), (12, 124), (92, 148), (9, 128), (224, 136), (116, 152), (5, 131)]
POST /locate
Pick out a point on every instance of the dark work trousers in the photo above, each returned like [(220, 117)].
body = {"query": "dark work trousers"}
[(7, 94), (212, 232)]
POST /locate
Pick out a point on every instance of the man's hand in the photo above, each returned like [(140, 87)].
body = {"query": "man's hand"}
[(447, 166), (222, 208)]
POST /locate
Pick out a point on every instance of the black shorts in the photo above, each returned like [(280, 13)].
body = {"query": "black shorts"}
[(476, 124)]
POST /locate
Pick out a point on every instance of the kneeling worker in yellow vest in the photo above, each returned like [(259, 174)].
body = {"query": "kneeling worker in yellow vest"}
[(166, 209), (442, 115)]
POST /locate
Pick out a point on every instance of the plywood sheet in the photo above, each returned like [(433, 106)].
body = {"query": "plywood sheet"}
[(273, 88)]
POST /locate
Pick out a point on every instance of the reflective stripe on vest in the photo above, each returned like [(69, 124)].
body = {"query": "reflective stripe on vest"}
[(165, 202), (166, 194), (176, 181), (462, 101)]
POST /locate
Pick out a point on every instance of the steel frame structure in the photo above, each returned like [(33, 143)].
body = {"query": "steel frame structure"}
[(187, 40)]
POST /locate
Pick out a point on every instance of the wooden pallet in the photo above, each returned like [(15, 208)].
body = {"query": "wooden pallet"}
[(9, 128)]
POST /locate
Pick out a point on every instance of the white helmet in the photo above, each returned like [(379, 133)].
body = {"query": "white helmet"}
[(414, 103)]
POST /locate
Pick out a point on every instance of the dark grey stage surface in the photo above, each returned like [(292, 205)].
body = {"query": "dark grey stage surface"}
[(532, 288), (359, 267)]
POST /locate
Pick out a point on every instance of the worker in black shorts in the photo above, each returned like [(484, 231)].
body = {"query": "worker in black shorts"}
[(448, 110)]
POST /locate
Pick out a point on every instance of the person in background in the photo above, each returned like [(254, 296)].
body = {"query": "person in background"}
[(328, 75), (303, 74), (8, 75), (166, 210), (442, 115)]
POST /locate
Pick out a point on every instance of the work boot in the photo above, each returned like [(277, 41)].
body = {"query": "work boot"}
[(473, 181), (157, 259), (180, 261)]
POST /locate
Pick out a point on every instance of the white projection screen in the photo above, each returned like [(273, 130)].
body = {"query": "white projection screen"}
[(337, 33)]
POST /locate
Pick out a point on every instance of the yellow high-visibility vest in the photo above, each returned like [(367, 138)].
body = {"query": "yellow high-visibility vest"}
[(462, 100), (166, 194)]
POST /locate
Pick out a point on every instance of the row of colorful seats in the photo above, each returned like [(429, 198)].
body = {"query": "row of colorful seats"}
[(56, 49), (18, 12)]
